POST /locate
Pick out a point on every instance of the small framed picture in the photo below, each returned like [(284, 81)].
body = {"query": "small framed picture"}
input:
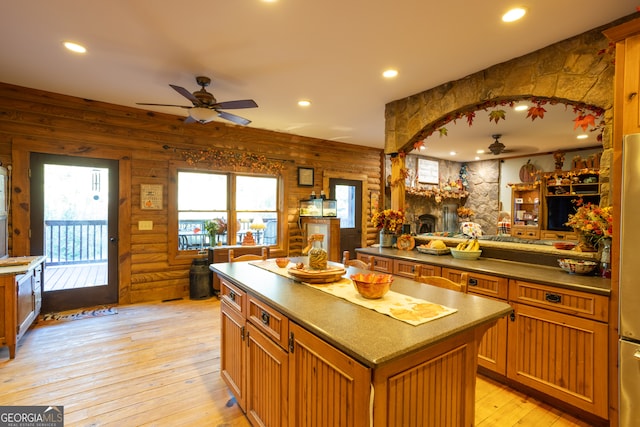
[(305, 177)]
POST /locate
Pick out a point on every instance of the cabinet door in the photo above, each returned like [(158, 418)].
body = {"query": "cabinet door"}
[(560, 355), (408, 269), (26, 302), (492, 351), (326, 387), (233, 352), (267, 380)]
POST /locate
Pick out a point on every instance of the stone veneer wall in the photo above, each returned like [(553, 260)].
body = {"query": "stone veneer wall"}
[(571, 71), (484, 181)]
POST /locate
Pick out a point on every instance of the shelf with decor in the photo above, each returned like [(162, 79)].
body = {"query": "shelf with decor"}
[(562, 190), (525, 211)]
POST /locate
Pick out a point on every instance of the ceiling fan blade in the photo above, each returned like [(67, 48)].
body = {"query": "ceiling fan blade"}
[(164, 105), (233, 118), (182, 91), (242, 103)]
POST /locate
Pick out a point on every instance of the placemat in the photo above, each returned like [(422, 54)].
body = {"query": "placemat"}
[(414, 311)]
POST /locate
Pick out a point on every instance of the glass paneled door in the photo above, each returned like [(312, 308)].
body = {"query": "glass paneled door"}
[(348, 194), (74, 224)]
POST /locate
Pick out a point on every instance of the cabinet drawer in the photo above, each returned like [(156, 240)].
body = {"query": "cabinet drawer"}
[(408, 269), (269, 321), (382, 264), (583, 304), (558, 235), (234, 296), (480, 284), (525, 233)]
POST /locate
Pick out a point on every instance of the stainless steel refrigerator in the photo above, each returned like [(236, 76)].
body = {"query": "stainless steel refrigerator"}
[(629, 328)]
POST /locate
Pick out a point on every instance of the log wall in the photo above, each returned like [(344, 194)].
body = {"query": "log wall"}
[(37, 121)]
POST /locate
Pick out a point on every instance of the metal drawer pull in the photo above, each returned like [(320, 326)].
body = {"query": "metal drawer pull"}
[(265, 317), (472, 282), (554, 298), (232, 295)]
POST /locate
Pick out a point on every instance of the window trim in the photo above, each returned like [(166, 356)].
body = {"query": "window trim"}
[(176, 256)]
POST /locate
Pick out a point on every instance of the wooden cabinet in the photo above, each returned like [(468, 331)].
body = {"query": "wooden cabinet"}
[(492, 351), (326, 387), (21, 300), (330, 229), (408, 268), (525, 211), (558, 344), (558, 235), (560, 194), (254, 362)]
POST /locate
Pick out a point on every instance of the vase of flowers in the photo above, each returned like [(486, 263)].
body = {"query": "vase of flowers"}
[(592, 223), (389, 222), (214, 228)]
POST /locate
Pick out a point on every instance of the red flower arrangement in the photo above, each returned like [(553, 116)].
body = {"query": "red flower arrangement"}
[(594, 221)]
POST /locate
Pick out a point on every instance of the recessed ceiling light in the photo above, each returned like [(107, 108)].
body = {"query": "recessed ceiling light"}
[(423, 147), (75, 47), (452, 153), (514, 14), (477, 158), (582, 136), (521, 107), (479, 151), (389, 74), (304, 103)]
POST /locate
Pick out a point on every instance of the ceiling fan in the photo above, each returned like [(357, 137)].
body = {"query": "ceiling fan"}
[(205, 106), (497, 147)]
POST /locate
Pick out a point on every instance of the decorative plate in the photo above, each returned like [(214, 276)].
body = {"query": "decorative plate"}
[(331, 274), (405, 242)]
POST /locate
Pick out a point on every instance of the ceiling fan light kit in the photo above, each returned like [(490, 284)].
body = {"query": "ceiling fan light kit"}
[(202, 115)]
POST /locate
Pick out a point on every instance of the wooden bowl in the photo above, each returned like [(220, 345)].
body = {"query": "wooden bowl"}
[(282, 262), (372, 285)]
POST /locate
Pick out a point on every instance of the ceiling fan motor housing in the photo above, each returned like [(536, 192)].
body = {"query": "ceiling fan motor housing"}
[(496, 147)]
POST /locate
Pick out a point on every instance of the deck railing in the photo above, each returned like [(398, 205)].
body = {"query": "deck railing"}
[(76, 242)]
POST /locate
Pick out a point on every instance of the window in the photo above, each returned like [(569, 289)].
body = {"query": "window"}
[(236, 203)]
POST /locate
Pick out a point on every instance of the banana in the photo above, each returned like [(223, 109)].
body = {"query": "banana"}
[(472, 246), (461, 246)]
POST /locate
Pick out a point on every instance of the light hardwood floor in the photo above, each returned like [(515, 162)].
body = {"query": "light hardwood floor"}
[(158, 364)]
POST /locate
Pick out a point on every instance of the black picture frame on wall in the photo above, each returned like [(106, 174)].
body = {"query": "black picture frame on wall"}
[(305, 177)]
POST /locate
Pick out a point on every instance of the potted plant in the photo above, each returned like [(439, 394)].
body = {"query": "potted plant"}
[(389, 222)]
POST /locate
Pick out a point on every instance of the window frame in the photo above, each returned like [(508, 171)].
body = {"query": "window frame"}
[(177, 256)]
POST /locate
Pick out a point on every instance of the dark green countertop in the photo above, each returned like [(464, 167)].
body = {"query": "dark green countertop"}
[(366, 335), (553, 276)]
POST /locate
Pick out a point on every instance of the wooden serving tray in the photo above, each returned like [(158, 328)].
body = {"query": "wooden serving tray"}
[(331, 274)]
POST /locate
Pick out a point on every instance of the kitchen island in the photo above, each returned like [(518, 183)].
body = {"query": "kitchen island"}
[(294, 355)]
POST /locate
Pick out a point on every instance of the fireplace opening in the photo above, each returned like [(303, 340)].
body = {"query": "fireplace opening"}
[(427, 223)]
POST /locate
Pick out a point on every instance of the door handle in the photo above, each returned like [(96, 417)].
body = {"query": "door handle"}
[(113, 239)]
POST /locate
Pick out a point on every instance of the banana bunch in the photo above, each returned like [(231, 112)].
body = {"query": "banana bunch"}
[(468, 245)]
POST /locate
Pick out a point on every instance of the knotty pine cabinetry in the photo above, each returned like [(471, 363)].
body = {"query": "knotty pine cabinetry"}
[(492, 352), (283, 375), (21, 301), (557, 344), (555, 341)]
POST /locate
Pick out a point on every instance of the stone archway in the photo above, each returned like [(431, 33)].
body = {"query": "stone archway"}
[(573, 71)]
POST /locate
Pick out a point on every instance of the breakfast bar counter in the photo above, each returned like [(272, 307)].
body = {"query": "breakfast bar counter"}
[(408, 367)]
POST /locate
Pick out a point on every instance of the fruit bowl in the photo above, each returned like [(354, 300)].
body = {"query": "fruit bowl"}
[(282, 262), (577, 266), (465, 254), (372, 285)]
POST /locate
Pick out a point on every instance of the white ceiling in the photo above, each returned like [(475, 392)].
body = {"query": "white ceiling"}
[(331, 52)]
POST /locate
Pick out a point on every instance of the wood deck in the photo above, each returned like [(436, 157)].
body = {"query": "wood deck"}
[(58, 277), (158, 364)]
